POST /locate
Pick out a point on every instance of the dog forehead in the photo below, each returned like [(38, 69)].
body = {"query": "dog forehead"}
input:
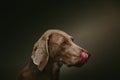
[(58, 32)]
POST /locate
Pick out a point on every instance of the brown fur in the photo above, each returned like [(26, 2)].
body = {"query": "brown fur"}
[(50, 52)]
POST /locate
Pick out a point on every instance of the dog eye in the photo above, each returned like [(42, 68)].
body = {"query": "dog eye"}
[(64, 42)]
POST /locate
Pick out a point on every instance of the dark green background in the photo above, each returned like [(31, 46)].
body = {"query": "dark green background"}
[(95, 26)]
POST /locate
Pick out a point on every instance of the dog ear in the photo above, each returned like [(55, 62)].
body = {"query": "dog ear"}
[(40, 53)]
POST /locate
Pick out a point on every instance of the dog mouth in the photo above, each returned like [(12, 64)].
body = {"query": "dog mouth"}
[(83, 59)]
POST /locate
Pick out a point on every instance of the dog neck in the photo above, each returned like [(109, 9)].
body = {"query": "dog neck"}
[(53, 70), (50, 72)]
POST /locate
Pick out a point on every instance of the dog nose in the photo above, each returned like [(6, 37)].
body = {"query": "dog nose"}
[(89, 54), (83, 50)]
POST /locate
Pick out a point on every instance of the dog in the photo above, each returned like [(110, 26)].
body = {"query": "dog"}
[(50, 52)]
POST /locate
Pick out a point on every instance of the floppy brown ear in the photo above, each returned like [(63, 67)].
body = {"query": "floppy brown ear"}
[(40, 54)]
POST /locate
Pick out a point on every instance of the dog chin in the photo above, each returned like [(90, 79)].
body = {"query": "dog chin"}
[(76, 65)]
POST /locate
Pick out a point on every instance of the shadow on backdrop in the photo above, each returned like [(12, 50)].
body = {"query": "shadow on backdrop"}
[(94, 25)]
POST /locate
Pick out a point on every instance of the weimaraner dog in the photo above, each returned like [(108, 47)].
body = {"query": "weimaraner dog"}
[(50, 52)]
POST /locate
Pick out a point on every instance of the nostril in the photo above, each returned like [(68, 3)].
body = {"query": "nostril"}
[(88, 54)]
